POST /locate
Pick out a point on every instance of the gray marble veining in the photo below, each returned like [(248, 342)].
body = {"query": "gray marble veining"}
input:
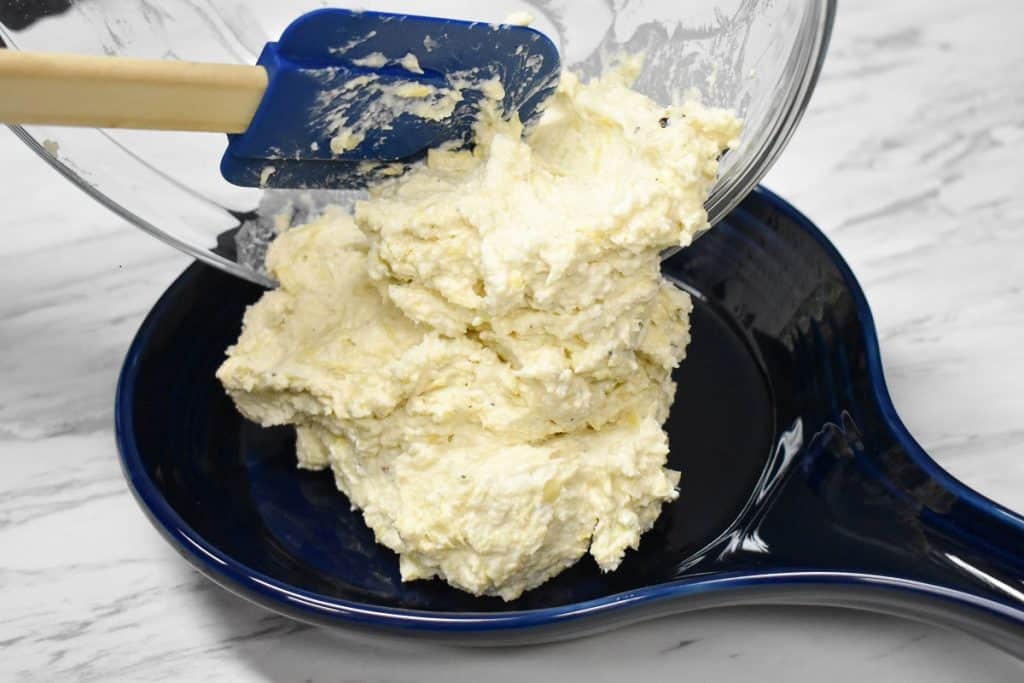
[(909, 158)]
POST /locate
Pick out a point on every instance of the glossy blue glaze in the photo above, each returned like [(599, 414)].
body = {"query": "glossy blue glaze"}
[(309, 73), (800, 484)]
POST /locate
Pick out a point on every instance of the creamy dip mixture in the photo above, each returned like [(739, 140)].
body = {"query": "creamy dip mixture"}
[(481, 352)]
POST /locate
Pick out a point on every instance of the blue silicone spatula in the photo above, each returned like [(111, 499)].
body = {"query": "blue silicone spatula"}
[(341, 98)]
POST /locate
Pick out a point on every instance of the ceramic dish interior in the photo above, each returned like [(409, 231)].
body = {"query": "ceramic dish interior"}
[(758, 57), (800, 484)]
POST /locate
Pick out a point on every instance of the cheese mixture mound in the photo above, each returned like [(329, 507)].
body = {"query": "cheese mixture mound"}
[(482, 352)]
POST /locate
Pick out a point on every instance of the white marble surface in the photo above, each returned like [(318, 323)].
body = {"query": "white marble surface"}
[(910, 159)]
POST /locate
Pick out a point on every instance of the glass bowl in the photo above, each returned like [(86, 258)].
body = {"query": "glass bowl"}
[(758, 57)]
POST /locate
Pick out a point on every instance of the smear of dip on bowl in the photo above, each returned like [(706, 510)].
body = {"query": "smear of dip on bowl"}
[(482, 351)]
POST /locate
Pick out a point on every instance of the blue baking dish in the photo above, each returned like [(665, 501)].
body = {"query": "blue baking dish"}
[(800, 483)]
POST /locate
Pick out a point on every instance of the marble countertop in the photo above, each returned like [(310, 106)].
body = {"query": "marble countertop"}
[(910, 160)]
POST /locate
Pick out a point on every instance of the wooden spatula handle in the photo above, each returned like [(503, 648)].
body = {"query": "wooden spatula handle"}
[(119, 92)]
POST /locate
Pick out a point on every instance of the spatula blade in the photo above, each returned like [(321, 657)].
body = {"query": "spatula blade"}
[(353, 95)]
